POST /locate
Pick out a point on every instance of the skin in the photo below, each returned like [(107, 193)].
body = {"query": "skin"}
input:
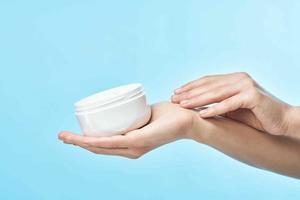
[(237, 96), (171, 122)]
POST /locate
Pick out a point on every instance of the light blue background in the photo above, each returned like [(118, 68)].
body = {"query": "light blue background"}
[(53, 53)]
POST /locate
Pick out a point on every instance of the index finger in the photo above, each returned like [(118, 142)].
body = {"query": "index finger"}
[(199, 82)]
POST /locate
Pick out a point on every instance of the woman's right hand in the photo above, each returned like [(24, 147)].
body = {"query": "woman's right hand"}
[(240, 98)]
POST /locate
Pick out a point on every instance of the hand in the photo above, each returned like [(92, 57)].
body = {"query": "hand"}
[(169, 122), (238, 97)]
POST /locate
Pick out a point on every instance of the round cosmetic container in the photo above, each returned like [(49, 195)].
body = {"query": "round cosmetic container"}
[(114, 111)]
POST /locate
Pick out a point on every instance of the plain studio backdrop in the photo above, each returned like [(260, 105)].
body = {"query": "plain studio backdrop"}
[(52, 53)]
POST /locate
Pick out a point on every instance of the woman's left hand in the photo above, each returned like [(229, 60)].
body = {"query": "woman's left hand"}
[(169, 122)]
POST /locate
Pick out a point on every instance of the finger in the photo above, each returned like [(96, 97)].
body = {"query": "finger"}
[(105, 151), (228, 105), (115, 152), (213, 96), (193, 84), (199, 82), (175, 98), (72, 138), (118, 141), (199, 91)]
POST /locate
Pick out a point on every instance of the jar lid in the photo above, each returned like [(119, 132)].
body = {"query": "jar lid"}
[(108, 97)]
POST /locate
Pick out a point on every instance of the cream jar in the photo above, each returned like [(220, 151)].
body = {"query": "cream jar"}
[(114, 111)]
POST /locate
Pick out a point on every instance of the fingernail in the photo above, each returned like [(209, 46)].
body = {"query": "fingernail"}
[(203, 112)]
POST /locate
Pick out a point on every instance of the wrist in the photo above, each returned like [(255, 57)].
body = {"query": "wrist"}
[(292, 119), (200, 129)]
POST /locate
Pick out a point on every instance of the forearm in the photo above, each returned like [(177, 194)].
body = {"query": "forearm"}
[(275, 153), (293, 121)]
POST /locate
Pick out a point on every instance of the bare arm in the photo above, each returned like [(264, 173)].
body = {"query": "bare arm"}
[(275, 153), (170, 122), (239, 97)]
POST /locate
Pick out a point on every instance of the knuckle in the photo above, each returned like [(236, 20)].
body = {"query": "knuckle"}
[(221, 91), (189, 85), (243, 75), (228, 103), (214, 95), (205, 78), (220, 106), (247, 82), (187, 95), (250, 83), (213, 109)]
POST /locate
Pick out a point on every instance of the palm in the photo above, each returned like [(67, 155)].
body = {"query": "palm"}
[(169, 122)]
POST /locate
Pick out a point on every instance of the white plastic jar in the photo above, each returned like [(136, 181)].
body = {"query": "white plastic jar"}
[(114, 111)]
